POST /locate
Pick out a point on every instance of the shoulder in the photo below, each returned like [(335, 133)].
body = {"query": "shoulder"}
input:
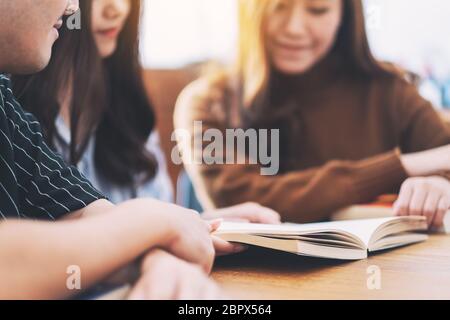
[(399, 97), (395, 82), (396, 91), (4, 79), (10, 109), (206, 98), (10, 103), (4, 87)]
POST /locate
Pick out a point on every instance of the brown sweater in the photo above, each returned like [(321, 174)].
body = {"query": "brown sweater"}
[(346, 152)]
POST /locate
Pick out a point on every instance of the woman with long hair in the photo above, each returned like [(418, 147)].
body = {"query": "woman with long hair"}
[(95, 111), (93, 107), (350, 126)]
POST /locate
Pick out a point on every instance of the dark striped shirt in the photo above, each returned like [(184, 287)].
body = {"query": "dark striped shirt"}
[(35, 182)]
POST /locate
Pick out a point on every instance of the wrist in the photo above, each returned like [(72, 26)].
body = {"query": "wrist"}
[(423, 163), (411, 165), (153, 219), (428, 162), (164, 218), (152, 257)]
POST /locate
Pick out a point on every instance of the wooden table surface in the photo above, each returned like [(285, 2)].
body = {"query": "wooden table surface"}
[(419, 271)]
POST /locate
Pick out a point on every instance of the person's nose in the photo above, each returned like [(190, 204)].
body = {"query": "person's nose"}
[(295, 23), (114, 9)]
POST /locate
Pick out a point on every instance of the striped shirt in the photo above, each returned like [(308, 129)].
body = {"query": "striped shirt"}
[(35, 182)]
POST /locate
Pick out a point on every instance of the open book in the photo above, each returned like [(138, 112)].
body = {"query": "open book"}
[(373, 211), (345, 240)]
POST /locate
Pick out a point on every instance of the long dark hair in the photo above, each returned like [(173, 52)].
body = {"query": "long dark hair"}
[(353, 44), (108, 99)]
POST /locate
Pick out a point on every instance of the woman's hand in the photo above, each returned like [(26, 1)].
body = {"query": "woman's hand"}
[(221, 246), (224, 248), (247, 212), (165, 277), (428, 196)]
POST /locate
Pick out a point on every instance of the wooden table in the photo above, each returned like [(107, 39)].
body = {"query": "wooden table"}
[(420, 271)]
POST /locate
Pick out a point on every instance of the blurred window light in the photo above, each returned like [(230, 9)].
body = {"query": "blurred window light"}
[(412, 33), (179, 32)]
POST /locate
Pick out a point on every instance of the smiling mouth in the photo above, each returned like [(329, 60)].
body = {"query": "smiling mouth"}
[(110, 33), (293, 48)]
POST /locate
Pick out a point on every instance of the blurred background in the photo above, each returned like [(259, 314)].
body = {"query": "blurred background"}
[(411, 33)]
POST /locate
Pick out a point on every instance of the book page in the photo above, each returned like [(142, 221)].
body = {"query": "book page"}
[(358, 212), (362, 229)]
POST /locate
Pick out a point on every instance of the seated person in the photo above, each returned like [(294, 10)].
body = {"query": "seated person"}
[(350, 127)]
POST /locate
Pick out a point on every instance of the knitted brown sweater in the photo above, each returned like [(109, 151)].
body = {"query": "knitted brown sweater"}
[(346, 151)]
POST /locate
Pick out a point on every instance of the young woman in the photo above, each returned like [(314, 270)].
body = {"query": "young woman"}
[(348, 123)]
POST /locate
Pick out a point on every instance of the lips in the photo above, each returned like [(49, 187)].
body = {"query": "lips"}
[(293, 47), (110, 32), (58, 24), (56, 27)]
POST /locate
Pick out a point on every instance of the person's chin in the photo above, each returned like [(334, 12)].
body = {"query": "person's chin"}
[(293, 68), (44, 60), (40, 60), (107, 51), (35, 65)]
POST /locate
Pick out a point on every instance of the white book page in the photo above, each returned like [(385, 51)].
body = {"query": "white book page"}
[(352, 213), (363, 229)]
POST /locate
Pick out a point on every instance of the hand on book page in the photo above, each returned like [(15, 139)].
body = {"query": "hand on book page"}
[(221, 246), (381, 208), (359, 212), (425, 196)]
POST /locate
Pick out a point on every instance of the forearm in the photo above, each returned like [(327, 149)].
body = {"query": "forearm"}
[(34, 263), (427, 163), (127, 273), (307, 195)]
